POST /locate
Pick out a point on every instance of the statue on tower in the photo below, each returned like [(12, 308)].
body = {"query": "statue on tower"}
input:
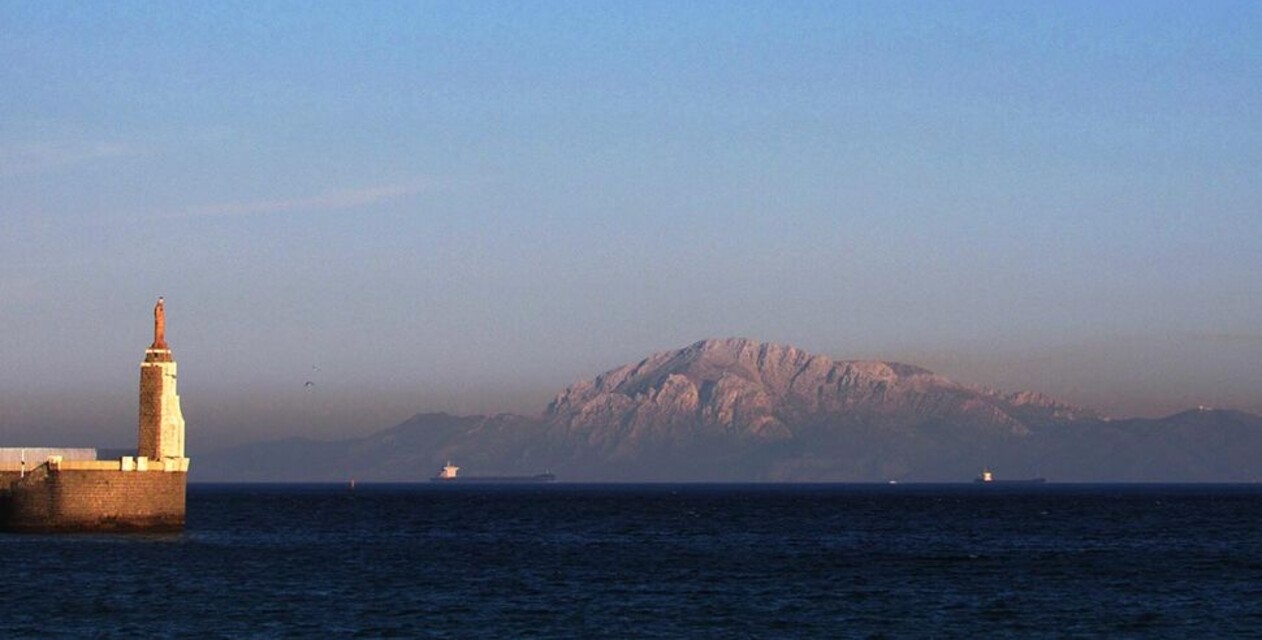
[(159, 326)]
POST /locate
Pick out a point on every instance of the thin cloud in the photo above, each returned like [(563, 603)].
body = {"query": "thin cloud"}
[(30, 158), (331, 200)]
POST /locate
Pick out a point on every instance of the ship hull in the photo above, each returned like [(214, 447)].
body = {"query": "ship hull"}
[(535, 479), (1025, 481)]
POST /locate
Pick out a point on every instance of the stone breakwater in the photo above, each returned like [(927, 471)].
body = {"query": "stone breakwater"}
[(93, 496), (44, 489)]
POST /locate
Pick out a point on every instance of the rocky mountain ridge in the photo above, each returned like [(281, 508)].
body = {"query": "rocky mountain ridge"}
[(769, 392), (741, 410)]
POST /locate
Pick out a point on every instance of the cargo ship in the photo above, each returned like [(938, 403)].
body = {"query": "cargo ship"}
[(988, 477), (451, 473)]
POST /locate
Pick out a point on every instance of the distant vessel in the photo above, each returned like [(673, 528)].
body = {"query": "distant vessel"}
[(451, 473), (988, 477)]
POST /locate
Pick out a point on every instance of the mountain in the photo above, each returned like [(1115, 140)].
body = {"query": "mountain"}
[(740, 410), (1200, 445), (409, 452)]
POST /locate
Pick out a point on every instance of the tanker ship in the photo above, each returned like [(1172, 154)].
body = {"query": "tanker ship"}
[(451, 473), (988, 477)]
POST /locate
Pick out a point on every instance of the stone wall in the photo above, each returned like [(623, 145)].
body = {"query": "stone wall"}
[(94, 500), (34, 456), (161, 421)]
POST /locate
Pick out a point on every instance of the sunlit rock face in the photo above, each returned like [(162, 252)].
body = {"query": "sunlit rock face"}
[(743, 390), (1037, 409)]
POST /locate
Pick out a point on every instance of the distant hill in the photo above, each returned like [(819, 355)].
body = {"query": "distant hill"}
[(743, 411)]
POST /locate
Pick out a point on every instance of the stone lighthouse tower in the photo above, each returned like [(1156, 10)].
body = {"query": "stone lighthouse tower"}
[(161, 423)]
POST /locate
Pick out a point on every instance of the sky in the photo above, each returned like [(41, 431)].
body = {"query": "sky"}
[(466, 206)]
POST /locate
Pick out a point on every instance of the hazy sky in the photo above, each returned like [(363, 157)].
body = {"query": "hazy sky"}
[(466, 206)]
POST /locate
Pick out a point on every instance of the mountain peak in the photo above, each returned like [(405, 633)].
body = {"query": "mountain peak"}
[(772, 364), (738, 388)]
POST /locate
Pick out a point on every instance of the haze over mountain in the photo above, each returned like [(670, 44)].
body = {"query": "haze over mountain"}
[(464, 205), (740, 410)]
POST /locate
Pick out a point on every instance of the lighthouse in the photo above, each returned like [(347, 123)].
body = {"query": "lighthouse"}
[(161, 423), (75, 490)]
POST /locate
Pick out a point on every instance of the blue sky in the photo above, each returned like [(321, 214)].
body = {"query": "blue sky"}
[(466, 206)]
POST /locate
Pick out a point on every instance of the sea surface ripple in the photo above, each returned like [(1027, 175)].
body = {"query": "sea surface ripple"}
[(658, 561)]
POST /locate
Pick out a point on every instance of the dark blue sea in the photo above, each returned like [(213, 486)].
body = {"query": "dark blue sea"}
[(658, 561)]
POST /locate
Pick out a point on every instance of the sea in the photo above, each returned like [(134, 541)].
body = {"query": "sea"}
[(658, 561)]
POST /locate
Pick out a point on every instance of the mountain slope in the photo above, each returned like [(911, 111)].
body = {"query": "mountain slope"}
[(740, 410), (769, 412), (764, 392)]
